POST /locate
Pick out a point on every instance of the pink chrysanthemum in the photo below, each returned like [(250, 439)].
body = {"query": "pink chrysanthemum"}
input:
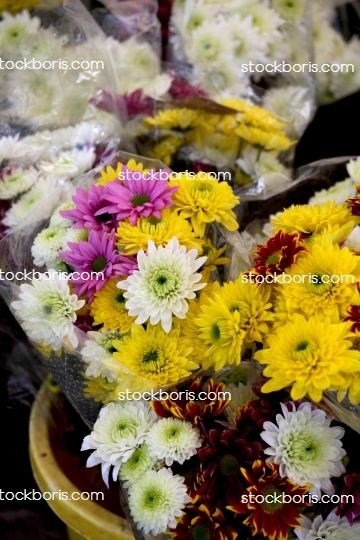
[(96, 261), (135, 197), (88, 204)]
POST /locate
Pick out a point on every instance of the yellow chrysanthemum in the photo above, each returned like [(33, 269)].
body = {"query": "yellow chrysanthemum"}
[(322, 282), (155, 358), (351, 385), (160, 231), (204, 200), (255, 116), (213, 260), (314, 220), (309, 355), (110, 173), (266, 139), (190, 330), (175, 119), (166, 148), (237, 315), (99, 389), (254, 305), (108, 308)]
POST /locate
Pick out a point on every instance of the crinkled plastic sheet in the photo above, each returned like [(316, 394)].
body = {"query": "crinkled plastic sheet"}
[(49, 98)]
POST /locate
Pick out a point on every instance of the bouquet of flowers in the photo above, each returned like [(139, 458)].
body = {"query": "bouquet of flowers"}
[(221, 459), (119, 273)]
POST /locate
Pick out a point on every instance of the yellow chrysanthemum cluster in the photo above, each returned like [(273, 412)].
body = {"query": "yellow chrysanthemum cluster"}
[(313, 343)]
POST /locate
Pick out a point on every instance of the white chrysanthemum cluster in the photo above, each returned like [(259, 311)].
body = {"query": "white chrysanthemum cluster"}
[(306, 448), (15, 180), (171, 439), (266, 167), (341, 191), (137, 465), (166, 279), (332, 528), (119, 430), (157, 499), (98, 348), (47, 310)]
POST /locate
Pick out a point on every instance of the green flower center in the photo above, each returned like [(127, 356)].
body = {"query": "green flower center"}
[(119, 301), (55, 306), (215, 332), (173, 433), (302, 448), (152, 220), (153, 499), (302, 346), (273, 259), (124, 429), (201, 532), (229, 465), (108, 345), (163, 283), (152, 360), (317, 285), (99, 264), (305, 351), (270, 504), (204, 188), (140, 200), (235, 306)]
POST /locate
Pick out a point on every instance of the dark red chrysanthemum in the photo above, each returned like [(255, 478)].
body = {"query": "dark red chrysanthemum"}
[(355, 200), (181, 89), (278, 254), (222, 459), (202, 520), (247, 427), (263, 504), (267, 406), (351, 489), (354, 317), (191, 471), (194, 410)]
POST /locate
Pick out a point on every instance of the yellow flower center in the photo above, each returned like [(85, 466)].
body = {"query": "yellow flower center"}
[(152, 360)]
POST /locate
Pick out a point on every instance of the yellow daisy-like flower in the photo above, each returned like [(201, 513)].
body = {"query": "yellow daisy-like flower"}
[(237, 315), (108, 308), (109, 174), (213, 260), (255, 116), (160, 231), (352, 380), (266, 139), (204, 200), (309, 355), (175, 119), (253, 302), (99, 389), (166, 148), (314, 220), (322, 282), (155, 358)]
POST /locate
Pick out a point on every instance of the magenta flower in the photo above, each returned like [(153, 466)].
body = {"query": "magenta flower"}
[(88, 203), (96, 261), (136, 196)]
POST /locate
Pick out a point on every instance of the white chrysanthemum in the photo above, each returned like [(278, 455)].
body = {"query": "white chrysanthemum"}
[(157, 87), (172, 439), (247, 43), (69, 164), (305, 447), (266, 20), (142, 58), (166, 279), (27, 202), (210, 43), (47, 245), (337, 193), (353, 240), (241, 394), (75, 235), (333, 528), (157, 499), (16, 180), (353, 168), (266, 167), (290, 10), (16, 30), (98, 348), (47, 310), (293, 105), (137, 465), (9, 147), (57, 219), (119, 430)]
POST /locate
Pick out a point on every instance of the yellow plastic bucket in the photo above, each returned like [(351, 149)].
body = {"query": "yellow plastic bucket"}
[(84, 519)]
